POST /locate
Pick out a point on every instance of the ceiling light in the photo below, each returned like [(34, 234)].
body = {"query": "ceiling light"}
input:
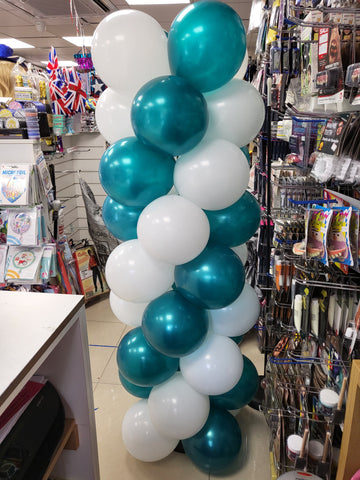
[(62, 63), (14, 43), (79, 41), (156, 2)]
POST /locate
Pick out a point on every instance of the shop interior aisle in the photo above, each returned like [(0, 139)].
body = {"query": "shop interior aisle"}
[(111, 402)]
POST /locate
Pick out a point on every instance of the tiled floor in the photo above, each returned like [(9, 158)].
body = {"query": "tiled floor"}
[(111, 402)]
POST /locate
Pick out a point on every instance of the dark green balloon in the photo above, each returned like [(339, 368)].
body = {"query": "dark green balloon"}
[(243, 392), (173, 325), (121, 220), (207, 44), (218, 443), (214, 279), (136, 390), (170, 114), (140, 363), (236, 224), (135, 174)]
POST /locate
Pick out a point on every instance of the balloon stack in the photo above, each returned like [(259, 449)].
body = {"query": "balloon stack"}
[(178, 277)]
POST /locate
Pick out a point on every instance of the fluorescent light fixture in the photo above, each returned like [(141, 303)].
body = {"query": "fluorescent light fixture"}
[(156, 2), (62, 63), (79, 41), (14, 43)]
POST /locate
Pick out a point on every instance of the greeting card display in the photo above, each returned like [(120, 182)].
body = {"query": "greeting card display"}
[(23, 263), (23, 227), (15, 184)]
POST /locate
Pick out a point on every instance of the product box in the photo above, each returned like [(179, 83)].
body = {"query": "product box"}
[(15, 184), (91, 279)]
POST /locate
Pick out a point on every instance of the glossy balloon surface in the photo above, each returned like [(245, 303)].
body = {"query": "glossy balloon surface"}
[(173, 325), (214, 279), (218, 443), (129, 313), (207, 44), (136, 390), (121, 220), (237, 223), (140, 363), (134, 174), (169, 114), (243, 392)]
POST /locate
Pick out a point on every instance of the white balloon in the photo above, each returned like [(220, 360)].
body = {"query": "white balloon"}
[(128, 49), (238, 317), (141, 438), (242, 70), (213, 175), (176, 409), (242, 252), (129, 313), (134, 275), (236, 112), (112, 114), (173, 229), (215, 367)]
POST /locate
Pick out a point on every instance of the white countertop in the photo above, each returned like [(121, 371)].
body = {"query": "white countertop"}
[(29, 324)]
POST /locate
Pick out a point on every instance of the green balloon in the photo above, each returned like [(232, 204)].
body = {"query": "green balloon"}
[(243, 392), (136, 390), (121, 220), (236, 224)]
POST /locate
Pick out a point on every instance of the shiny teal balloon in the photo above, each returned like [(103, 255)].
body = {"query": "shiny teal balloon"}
[(173, 325), (121, 220), (236, 224), (246, 152), (207, 44), (169, 114), (243, 392), (217, 445), (134, 174), (214, 279), (136, 390), (140, 363)]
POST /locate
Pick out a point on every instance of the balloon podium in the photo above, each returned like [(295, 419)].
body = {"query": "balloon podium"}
[(177, 113)]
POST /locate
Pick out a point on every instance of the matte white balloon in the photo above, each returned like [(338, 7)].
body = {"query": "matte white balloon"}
[(242, 70), (238, 317), (128, 49), (112, 114), (129, 313), (213, 175), (140, 436), (134, 275), (176, 409), (215, 367), (236, 112), (173, 229), (242, 252)]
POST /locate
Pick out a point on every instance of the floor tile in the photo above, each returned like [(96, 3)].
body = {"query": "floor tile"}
[(99, 358), (111, 403), (105, 333), (110, 374), (100, 311)]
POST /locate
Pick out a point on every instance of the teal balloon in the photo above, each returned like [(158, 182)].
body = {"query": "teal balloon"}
[(236, 224), (246, 152), (169, 114), (212, 280), (136, 390), (238, 339), (207, 44), (134, 174), (243, 392), (121, 220), (173, 325), (217, 445), (140, 363)]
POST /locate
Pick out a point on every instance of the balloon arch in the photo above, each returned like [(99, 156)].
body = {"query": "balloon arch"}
[(178, 115)]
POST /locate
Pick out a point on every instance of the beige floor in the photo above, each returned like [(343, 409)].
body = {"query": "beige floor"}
[(111, 402)]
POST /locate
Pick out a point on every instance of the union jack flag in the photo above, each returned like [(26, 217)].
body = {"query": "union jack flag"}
[(75, 96), (53, 63)]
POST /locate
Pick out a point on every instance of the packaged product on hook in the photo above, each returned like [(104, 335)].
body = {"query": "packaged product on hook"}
[(354, 236), (338, 245), (318, 222)]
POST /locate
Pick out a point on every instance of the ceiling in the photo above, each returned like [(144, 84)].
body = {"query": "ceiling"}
[(43, 23)]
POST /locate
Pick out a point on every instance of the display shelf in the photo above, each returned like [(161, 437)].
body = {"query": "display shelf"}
[(45, 334)]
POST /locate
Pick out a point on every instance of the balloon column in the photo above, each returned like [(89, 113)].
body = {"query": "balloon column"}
[(176, 278)]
